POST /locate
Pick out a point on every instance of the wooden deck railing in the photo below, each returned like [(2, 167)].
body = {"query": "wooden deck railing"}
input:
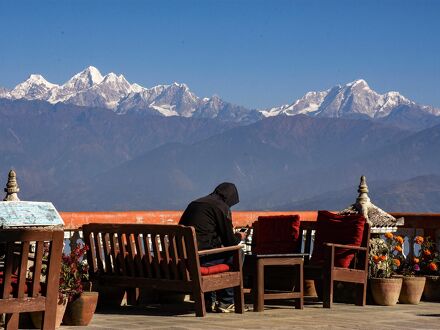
[(427, 224)]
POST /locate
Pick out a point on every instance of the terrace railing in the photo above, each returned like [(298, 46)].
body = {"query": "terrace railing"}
[(426, 224)]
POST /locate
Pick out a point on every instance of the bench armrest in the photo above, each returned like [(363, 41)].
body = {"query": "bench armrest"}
[(220, 250), (351, 247)]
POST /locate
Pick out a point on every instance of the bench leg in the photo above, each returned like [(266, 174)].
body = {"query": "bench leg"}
[(361, 294), (328, 291), (258, 289), (11, 321), (299, 302), (199, 299), (239, 299)]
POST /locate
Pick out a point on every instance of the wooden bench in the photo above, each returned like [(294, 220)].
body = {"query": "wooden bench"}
[(162, 257), (23, 288)]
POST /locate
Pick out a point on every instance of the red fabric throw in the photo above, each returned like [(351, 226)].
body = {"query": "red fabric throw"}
[(210, 270), (338, 229), (276, 234)]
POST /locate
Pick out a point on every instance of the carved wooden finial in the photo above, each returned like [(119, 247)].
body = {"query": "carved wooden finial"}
[(363, 197), (12, 188)]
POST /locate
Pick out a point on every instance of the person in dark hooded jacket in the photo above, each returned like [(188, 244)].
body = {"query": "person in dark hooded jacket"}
[(211, 218)]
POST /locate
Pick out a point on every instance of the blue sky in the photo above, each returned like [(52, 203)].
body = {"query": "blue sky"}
[(253, 53)]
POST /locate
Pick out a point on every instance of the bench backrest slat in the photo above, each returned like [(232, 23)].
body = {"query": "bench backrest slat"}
[(174, 258)]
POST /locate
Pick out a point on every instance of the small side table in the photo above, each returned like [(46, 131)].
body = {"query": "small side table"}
[(259, 261)]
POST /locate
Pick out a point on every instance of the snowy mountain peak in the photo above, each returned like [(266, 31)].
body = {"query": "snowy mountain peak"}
[(35, 87), (87, 78), (355, 99), (360, 83)]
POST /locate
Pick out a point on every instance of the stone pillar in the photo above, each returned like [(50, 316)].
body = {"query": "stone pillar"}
[(12, 188)]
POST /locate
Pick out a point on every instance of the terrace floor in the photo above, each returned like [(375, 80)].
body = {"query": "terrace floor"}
[(313, 316)]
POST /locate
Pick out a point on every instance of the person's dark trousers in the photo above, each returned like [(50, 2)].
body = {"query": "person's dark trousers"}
[(224, 296)]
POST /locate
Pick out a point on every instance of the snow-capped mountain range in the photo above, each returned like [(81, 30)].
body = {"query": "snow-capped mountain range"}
[(353, 99), (90, 88)]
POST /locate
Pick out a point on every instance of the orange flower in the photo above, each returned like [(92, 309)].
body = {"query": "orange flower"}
[(376, 259), (389, 235), (398, 248), (419, 240), (416, 260), (433, 266), (383, 258), (399, 239), (396, 262), (426, 252)]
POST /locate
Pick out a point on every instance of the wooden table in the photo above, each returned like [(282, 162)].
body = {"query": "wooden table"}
[(259, 261)]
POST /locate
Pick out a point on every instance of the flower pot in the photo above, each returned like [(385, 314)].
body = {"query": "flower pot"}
[(412, 289), (432, 288), (386, 291), (37, 317), (80, 311)]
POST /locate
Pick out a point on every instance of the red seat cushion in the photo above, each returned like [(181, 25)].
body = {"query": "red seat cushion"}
[(13, 289), (276, 234), (338, 229), (210, 270)]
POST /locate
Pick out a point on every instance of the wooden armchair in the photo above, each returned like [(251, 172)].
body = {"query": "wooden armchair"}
[(22, 287), (340, 253)]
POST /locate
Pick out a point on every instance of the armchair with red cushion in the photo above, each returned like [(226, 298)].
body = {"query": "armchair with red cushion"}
[(340, 253)]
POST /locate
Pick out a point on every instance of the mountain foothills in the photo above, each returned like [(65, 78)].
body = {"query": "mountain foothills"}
[(101, 143)]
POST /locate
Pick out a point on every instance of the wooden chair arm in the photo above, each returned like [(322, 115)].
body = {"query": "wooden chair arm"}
[(220, 250), (351, 247)]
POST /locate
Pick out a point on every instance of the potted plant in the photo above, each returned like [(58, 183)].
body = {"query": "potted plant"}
[(427, 263), (73, 279), (384, 259), (413, 282)]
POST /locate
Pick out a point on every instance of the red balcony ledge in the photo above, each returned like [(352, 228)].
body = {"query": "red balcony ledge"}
[(74, 220)]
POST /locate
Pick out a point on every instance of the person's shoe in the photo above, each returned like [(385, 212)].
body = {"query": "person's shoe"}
[(211, 307), (225, 308)]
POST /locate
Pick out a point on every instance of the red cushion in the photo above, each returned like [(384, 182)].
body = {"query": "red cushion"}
[(13, 289), (338, 229), (276, 234), (209, 270)]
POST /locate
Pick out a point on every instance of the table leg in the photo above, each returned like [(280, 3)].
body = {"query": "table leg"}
[(299, 303), (259, 286)]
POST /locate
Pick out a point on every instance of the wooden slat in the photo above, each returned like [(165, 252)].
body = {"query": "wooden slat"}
[(156, 258), (282, 295), (139, 255), (38, 263), (109, 265), (219, 281), (115, 255), (15, 305), (9, 261), (122, 252), (131, 252), (99, 251), (91, 256), (165, 262), (180, 241), (349, 275), (148, 259), (22, 271), (174, 257)]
